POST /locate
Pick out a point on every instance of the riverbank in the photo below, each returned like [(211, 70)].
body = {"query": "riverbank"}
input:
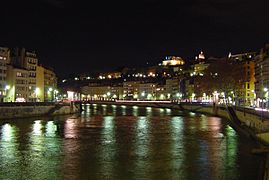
[(24, 110)]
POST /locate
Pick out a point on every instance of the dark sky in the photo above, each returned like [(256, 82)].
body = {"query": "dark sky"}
[(84, 35)]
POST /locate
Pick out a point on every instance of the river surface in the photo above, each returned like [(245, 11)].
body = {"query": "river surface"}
[(125, 142)]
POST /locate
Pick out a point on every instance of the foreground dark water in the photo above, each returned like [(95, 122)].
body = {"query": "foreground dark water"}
[(120, 142)]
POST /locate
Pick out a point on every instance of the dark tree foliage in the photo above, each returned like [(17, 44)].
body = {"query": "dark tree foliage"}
[(222, 75)]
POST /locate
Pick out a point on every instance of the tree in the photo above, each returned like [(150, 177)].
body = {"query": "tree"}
[(222, 75)]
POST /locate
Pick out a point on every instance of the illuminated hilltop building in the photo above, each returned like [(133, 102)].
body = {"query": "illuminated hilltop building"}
[(200, 64), (173, 61)]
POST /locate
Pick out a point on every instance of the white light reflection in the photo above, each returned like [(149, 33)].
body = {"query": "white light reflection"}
[(37, 126), (142, 143), (108, 149), (135, 110), (51, 129), (114, 109), (108, 132), (177, 149), (9, 149), (70, 129), (123, 110), (7, 132), (149, 111), (168, 111), (104, 106)]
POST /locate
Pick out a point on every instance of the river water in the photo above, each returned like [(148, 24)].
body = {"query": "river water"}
[(125, 142)]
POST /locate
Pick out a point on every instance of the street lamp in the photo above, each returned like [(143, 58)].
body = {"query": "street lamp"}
[(149, 96), (7, 87)]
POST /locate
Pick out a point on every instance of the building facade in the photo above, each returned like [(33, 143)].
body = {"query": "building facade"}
[(172, 87), (17, 80), (147, 91), (26, 81), (247, 90), (262, 77), (50, 84), (4, 60), (99, 92), (130, 90), (30, 62)]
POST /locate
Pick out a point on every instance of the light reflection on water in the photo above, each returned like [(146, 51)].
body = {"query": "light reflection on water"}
[(125, 142)]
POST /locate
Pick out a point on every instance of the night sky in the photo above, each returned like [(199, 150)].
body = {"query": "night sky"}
[(82, 35)]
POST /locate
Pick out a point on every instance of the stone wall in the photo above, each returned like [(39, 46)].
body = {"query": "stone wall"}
[(24, 111)]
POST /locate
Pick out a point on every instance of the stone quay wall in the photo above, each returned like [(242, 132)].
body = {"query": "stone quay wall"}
[(24, 110)]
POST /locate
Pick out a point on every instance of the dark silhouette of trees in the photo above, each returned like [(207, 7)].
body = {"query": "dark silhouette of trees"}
[(222, 75)]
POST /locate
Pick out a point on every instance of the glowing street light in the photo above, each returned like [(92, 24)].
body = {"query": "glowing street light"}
[(149, 96), (37, 91), (114, 96), (7, 87)]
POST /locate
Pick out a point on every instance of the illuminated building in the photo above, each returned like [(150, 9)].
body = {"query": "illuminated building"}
[(100, 92), (40, 90), (200, 58), (4, 60), (50, 84), (172, 87), (161, 92), (17, 80), (262, 76), (200, 65), (146, 91), (26, 81), (30, 63), (130, 89), (110, 75), (27, 60), (248, 65), (173, 61)]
